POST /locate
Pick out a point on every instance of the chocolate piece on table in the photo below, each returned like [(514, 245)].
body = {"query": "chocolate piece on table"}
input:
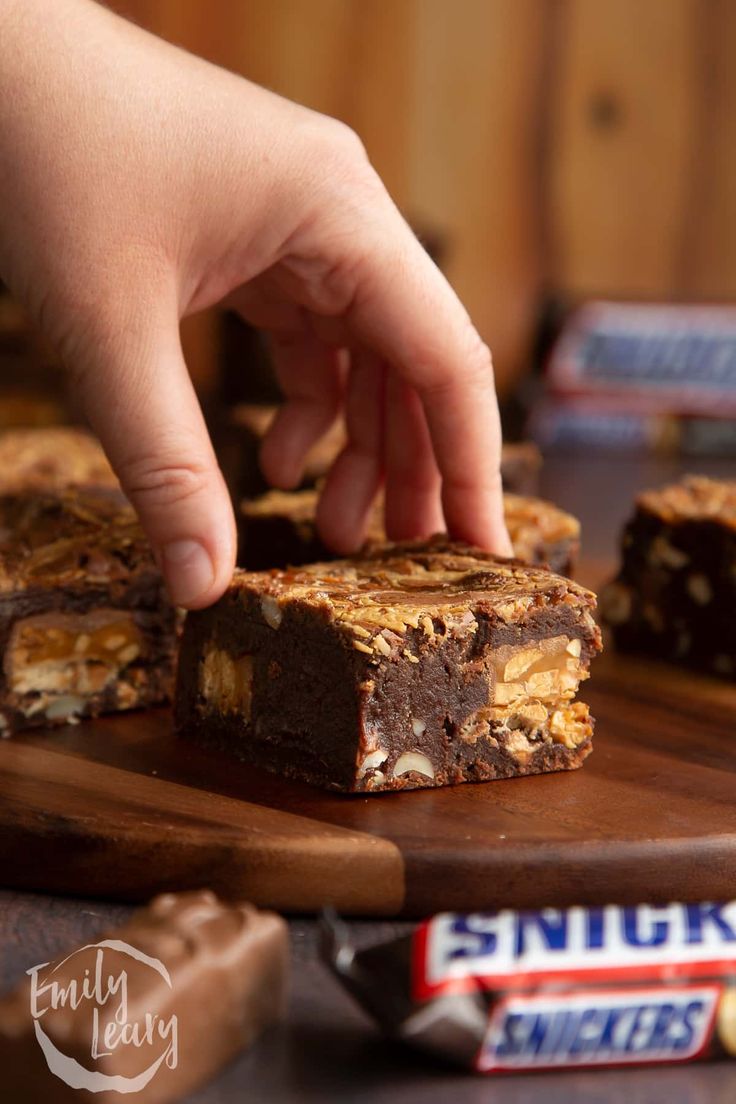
[(278, 529), (675, 592), (247, 425), (227, 969), (51, 459), (415, 665), (85, 625)]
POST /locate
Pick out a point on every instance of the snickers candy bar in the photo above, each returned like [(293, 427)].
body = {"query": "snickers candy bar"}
[(154, 1009), (553, 989)]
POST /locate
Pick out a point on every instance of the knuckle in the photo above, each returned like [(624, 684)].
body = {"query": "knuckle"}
[(477, 364), (480, 359), (159, 484), (459, 484), (473, 369), (350, 168), (346, 141)]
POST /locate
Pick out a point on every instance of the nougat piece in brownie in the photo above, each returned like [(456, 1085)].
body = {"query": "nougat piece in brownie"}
[(85, 625), (246, 425), (675, 594), (417, 665), (50, 459), (278, 529)]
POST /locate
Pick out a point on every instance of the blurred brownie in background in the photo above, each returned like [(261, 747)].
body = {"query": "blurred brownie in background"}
[(520, 467), (278, 529), (51, 459), (675, 594), (247, 424), (240, 442)]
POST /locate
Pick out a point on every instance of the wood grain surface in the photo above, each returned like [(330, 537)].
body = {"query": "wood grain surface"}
[(121, 808)]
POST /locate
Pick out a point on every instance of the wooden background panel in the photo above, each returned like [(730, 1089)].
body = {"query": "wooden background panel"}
[(623, 145), (709, 249), (443, 96), (577, 146), (477, 71)]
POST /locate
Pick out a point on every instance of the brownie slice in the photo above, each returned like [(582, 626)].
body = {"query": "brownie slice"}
[(85, 625), (278, 529), (416, 665), (239, 445), (542, 533), (675, 594), (246, 425), (51, 459)]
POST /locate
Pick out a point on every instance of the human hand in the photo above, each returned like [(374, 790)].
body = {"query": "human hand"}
[(139, 184)]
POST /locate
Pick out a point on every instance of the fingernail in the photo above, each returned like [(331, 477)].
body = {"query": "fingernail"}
[(188, 571)]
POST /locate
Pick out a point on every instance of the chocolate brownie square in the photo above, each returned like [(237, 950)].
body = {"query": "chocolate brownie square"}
[(51, 459), (415, 665), (239, 445), (278, 529), (246, 425), (85, 625), (675, 594)]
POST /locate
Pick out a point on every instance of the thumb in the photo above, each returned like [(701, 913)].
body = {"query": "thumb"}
[(141, 403)]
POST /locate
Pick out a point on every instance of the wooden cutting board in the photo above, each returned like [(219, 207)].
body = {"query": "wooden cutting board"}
[(120, 808)]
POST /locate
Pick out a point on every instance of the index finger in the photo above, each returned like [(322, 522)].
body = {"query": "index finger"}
[(406, 311)]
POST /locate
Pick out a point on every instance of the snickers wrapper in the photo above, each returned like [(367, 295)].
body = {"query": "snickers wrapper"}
[(553, 989)]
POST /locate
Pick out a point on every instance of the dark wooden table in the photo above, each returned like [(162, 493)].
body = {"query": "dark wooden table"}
[(329, 1051)]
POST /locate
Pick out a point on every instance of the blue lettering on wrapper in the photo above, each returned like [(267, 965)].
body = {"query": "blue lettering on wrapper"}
[(553, 930), (569, 1035), (656, 937), (700, 917), (475, 938), (595, 929), (502, 944)]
